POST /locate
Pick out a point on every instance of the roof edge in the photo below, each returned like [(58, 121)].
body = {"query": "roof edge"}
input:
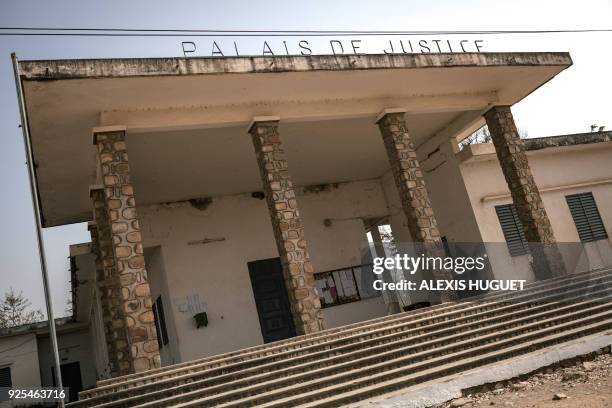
[(40, 70), (572, 139), (535, 144)]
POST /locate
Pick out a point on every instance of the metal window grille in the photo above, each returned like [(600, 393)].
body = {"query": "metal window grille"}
[(586, 217)]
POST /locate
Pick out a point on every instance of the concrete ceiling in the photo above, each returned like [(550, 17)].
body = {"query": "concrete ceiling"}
[(178, 165), (187, 119)]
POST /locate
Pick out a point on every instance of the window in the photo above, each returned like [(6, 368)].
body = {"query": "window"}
[(160, 323), (340, 286), (512, 229), (5, 377), (586, 217)]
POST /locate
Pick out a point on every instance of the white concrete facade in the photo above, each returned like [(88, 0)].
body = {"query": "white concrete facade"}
[(195, 174), (26, 351), (215, 274), (74, 347), (20, 355), (197, 257), (558, 172)]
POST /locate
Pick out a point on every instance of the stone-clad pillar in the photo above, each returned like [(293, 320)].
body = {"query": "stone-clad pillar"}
[(411, 188), (112, 369), (107, 281), (525, 194), (287, 225), (122, 251)]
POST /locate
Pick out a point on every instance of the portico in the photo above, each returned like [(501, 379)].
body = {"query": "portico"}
[(187, 150)]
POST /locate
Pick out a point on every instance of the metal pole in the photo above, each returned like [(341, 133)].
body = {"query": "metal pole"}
[(36, 205)]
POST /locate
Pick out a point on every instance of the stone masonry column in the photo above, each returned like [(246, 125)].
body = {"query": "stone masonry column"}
[(411, 188), (525, 194), (287, 225), (107, 280), (121, 247), (92, 227)]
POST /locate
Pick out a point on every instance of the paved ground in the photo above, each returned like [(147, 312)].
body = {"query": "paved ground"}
[(584, 385)]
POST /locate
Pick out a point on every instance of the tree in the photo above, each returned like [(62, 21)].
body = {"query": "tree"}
[(483, 135), (14, 310)]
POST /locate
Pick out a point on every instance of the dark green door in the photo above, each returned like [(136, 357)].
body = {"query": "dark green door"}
[(271, 299)]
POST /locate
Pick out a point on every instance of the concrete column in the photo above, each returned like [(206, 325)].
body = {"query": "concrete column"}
[(411, 188), (525, 194), (123, 259), (287, 225), (390, 297)]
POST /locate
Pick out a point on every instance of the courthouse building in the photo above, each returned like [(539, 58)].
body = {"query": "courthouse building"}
[(229, 199)]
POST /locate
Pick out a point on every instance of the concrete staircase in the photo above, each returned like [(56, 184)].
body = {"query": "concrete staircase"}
[(368, 359)]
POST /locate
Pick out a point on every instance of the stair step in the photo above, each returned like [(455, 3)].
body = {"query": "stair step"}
[(359, 326), (296, 371), (409, 358), (414, 340), (363, 390), (369, 328)]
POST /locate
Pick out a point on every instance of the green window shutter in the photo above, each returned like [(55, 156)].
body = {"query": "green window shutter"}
[(512, 229), (586, 217), (5, 377)]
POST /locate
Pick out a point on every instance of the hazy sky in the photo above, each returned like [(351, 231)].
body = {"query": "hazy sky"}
[(570, 103)]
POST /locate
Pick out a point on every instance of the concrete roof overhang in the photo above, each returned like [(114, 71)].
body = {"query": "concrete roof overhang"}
[(187, 118)]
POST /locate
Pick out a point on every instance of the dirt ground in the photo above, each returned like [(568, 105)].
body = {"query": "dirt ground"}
[(585, 385)]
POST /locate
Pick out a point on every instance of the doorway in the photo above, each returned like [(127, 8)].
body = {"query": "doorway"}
[(71, 379), (271, 299)]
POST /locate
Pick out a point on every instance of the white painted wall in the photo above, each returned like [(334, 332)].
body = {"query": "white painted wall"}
[(447, 191), (214, 276), (342, 243), (558, 172), (20, 353), (169, 353), (73, 346)]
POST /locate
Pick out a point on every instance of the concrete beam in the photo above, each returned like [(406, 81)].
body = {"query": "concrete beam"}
[(138, 67), (211, 116)]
